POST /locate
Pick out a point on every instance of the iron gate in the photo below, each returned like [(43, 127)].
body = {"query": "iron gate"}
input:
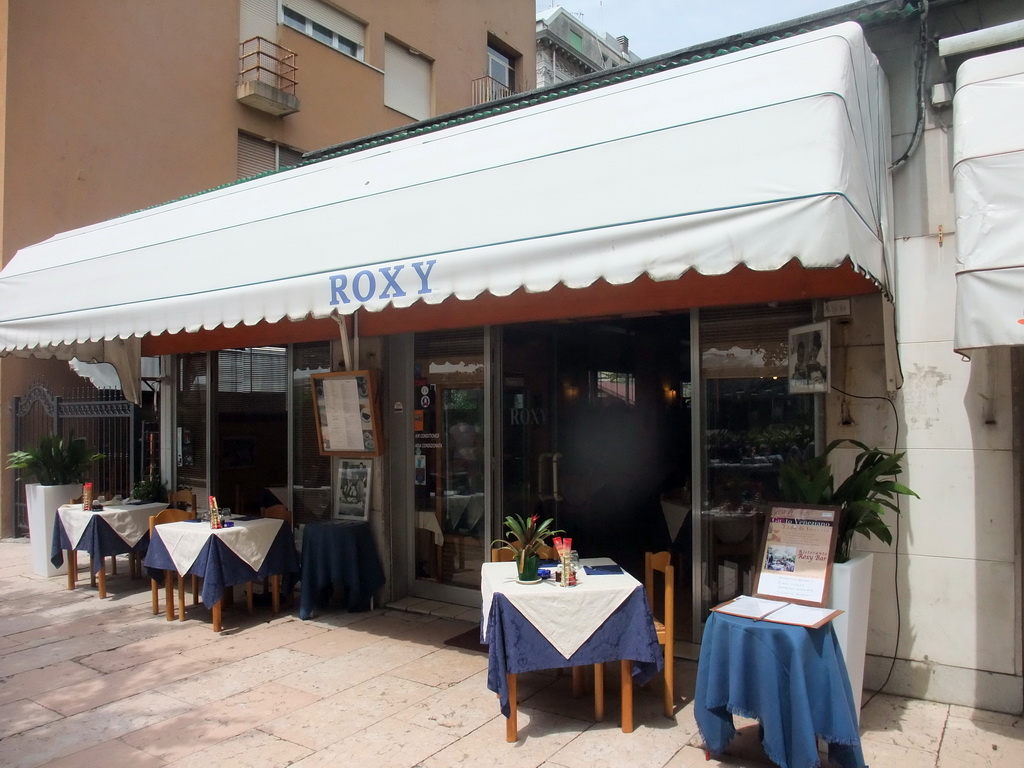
[(109, 423)]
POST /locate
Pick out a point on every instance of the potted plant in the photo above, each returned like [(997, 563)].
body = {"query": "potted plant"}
[(526, 535), (149, 490), (59, 467), (864, 495)]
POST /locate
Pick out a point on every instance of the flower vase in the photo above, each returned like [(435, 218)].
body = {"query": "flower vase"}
[(527, 568)]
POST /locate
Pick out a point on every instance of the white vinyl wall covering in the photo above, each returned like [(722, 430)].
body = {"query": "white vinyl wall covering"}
[(988, 190), (775, 153)]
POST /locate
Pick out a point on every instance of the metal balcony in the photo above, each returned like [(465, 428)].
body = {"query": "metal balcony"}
[(266, 77), (488, 89)]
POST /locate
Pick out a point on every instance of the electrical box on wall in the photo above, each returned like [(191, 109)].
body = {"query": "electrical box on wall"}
[(837, 308)]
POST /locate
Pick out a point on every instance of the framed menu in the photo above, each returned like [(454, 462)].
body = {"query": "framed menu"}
[(797, 553), (347, 417)]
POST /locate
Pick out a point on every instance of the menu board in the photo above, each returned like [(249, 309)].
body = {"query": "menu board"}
[(347, 418), (797, 553)]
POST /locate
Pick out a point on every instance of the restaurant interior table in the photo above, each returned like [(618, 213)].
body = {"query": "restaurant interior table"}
[(250, 550), (791, 679), (528, 627), (111, 531), (341, 554)]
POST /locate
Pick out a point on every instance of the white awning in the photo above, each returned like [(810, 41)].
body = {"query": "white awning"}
[(758, 157), (988, 188)]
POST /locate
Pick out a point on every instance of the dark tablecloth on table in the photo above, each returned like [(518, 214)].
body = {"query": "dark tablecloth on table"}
[(219, 567), (792, 679), (98, 539), (515, 645), (341, 554)]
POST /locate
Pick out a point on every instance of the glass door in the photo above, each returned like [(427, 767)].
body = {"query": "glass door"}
[(449, 459)]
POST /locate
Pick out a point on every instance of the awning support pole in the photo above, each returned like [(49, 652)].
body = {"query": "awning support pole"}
[(346, 346)]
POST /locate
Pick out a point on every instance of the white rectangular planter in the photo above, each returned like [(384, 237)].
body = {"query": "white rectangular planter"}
[(851, 592), (43, 501)]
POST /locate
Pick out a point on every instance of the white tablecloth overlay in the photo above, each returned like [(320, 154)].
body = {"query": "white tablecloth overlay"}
[(249, 539), (566, 616), (130, 522)]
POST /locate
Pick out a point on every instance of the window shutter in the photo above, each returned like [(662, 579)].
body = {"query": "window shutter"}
[(332, 18), (406, 81), (255, 156), (257, 18)]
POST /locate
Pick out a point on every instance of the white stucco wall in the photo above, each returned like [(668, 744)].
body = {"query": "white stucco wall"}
[(954, 569)]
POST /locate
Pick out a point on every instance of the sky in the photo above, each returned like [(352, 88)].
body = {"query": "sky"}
[(661, 26)]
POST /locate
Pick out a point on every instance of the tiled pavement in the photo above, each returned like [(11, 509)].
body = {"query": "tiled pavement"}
[(86, 682)]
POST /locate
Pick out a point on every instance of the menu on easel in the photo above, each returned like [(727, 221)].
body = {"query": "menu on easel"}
[(347, 421), (797, 553)]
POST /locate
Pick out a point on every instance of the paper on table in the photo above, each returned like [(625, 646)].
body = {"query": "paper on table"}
[(750, 607), (802, 615)]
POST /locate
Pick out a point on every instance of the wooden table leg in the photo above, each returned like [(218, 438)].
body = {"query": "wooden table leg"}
[(169, 594), (627, 695), (101, 577), (216, 616), (181, 598), (599, 692), (72, 560), (275, 592), (511, 724)]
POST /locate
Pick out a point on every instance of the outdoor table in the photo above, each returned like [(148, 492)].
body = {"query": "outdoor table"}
[(544, 626), (792, 679), (111, 531), (250, 550), (340, 553)]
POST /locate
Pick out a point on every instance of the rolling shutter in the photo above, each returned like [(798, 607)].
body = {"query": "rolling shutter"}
[(406, 81)]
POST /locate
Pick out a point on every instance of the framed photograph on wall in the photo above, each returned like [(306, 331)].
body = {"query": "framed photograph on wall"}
[(347, 417), (352, 495), (809, 359)]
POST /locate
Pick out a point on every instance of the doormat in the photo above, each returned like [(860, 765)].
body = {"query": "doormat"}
[(468, 640)]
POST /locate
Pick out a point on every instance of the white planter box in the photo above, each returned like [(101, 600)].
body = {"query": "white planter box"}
[(851, 592), (43, 501)]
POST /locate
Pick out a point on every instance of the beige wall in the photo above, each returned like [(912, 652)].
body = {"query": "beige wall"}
[(108, 107)]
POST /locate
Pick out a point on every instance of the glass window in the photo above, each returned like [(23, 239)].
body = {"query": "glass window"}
[(501, 68), (294, 20), (751, 425), (322, 33), (576, 40)]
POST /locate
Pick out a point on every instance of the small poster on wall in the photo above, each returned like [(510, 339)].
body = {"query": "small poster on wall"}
[(352, 500), (809, 353)]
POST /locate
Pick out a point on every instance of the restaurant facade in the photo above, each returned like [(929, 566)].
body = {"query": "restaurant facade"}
[(616, 348)]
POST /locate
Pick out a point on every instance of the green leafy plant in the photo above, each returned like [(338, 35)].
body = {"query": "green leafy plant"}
[(864, 495), (525, 535), (55, 461), (149, 490)]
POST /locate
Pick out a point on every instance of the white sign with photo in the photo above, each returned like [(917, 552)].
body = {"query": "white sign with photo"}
[(352, 496), (809, 359)]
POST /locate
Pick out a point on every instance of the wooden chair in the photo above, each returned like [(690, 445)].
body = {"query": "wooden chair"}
[(170, 515), (277, 512), (661, 562), (183, 499)]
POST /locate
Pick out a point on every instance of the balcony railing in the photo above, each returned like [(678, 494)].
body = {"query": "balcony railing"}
[(488, 89), (267, 77), (269, 63)]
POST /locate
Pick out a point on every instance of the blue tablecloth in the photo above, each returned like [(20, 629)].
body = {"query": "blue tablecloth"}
[(792, 679), (343, 554), (515, 645), (219, 567), (99, 540)]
